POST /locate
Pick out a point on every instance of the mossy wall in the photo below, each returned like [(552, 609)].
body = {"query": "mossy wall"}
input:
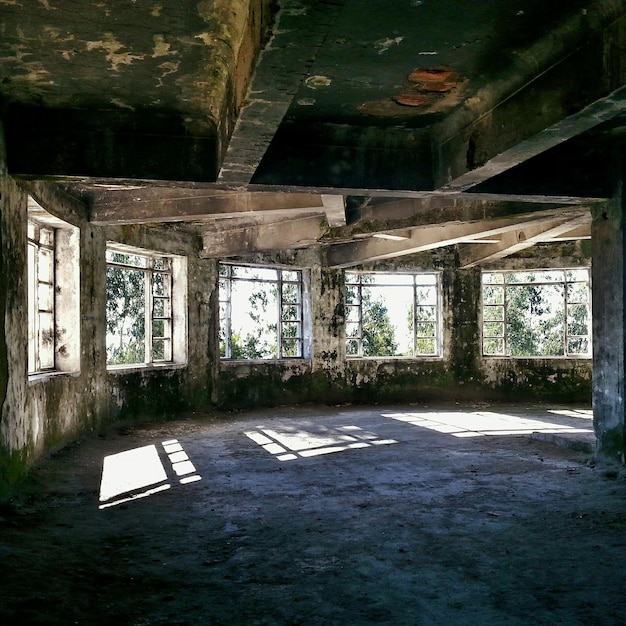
[(41, 414), (460, 374)]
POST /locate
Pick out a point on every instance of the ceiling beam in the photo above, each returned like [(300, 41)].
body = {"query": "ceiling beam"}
[(549, 107), (282, 235), (151, 205), (335, 208), (298, 35), (471, 255), (428, 238)]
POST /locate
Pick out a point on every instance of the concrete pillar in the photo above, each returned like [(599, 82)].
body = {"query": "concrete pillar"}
[(609, 323), (4, 366)]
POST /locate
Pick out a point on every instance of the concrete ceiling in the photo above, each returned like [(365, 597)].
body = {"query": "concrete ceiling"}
[(371, 128)]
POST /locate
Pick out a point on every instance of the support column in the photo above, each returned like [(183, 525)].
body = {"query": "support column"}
[(609, 323)]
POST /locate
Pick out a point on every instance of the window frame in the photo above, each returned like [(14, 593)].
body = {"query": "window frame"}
[(565, 281), (61, 355), (437, 321), (41, 278), (302, 322), (174, 299)]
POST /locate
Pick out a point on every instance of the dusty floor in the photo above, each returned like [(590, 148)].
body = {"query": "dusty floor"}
[(322, 516)]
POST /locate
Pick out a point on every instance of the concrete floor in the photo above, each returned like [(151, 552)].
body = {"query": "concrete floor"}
[(400, 515)]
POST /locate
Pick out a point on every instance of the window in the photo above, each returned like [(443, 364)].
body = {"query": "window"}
[(262, 313), (41, 344), (53, 286), (392, 315), (537, 313), (145, 310)]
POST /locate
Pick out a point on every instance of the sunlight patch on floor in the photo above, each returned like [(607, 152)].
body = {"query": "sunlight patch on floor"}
[(585, 414), (138, 473), (287, 444), (482, 423)]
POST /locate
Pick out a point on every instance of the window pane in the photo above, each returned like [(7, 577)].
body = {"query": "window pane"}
[(291, 293), (161, 284), (492, 278), (46, 341), (352, 295), (493, 295), (158, 349), (493, 329), (425, 329), (426, 279), (162, 307), (426, 346), (493, 346), (158, 328), (577, 292), (578, 345), (292, 348), (426, 313), (577, 275), (493, 313), (388, 279), (46, 237), (254, 312), (293, 276), (352, 314), (535, 319), (125, 316), (292, 329), (426, 295), (45, 265), (291, 313), (353, 329), (255, 273), (386, 326), (352, 347), (577, 319), (546, 276), (163, 264), (45, 297), (127, 259)]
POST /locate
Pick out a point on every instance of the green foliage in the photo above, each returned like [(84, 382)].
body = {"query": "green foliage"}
[(125, 317), (378, 334), (534, 320)]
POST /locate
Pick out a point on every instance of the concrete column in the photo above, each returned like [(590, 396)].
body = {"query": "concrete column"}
[(4, 365), (609, 322)]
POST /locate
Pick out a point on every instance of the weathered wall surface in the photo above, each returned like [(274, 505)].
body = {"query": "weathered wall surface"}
[(44, 413), (460, 374)]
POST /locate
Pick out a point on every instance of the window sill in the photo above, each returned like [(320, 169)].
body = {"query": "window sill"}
[(40, 377), (504, 357), (143, 367), (294, 359), (411, 359)]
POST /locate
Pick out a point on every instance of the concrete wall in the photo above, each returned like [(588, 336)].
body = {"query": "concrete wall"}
[(460, 374), (42, 414)]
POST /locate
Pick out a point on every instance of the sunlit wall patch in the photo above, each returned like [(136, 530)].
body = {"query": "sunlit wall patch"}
[(139, 473), (287, 444)]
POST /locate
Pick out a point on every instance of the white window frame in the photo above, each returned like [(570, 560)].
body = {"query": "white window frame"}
[(173, 312), (417, 281), (227, 276), (53, 261), (565, 281)]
